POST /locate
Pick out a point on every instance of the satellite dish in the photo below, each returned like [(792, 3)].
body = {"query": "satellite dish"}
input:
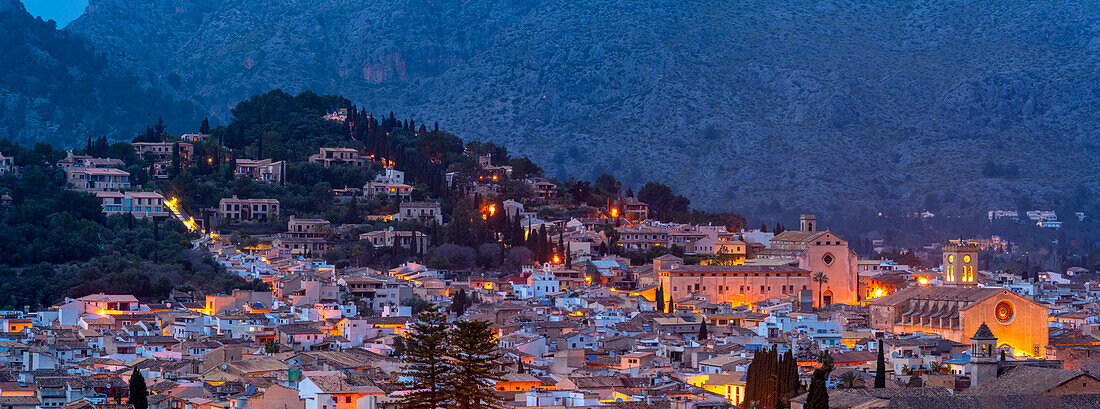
[(224, 366)]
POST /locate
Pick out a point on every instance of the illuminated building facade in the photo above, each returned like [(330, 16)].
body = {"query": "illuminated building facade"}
[(735, 284), (819, 252), (960, 262), (956, 312)]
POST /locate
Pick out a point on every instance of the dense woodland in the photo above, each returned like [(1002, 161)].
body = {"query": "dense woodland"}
[(58, 243)]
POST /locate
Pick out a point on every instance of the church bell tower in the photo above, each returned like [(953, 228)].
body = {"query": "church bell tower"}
[(983, 356), (960, 263), (807, 222)]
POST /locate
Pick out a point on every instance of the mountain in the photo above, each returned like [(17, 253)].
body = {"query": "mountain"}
[(756, 106), (55, 88)]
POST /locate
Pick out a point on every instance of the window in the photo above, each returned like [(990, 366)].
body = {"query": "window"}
[(347, 399)]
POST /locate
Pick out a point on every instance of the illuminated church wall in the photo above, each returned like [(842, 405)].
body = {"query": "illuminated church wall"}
[(1020, 323)]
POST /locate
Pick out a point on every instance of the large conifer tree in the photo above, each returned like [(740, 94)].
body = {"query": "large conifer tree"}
[(475, 353), (426, 365)]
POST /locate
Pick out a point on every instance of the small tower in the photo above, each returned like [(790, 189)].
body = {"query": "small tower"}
[(983, 358), (807, 222), (959, 264)]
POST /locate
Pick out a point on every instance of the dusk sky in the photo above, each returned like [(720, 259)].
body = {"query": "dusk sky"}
[(61, 11)]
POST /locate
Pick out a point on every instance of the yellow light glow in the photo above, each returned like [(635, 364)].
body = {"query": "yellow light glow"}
[(614, 212), (101, 313), (557, 259), (923, 280), (878, 293), (494, 177), (492, 209)]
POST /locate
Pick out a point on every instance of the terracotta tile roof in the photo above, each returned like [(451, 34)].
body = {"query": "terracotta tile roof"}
[(1025, 380), (970, 295)]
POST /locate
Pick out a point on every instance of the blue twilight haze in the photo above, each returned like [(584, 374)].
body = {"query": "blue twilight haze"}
[(61, 11)]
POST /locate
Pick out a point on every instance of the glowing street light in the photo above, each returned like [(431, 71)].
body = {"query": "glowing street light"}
[(614, 212)]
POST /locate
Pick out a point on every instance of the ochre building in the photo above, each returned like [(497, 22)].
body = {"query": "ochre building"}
[(956, 312)]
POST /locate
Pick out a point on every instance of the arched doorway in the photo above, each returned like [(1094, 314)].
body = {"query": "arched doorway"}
[(827, 298)]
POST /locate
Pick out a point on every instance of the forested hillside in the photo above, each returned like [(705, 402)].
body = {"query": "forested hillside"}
[(761, 107), (54, 88)]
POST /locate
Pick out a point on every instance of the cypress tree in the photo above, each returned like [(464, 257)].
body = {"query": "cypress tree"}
[(426, 367), (205, 127), (753, 380), (703, 334), (880, 369), (139, 394), (818, 397), (459, 303), (474, 353), (661, 299)]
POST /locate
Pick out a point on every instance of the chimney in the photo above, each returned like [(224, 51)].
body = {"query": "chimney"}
[(808, 222)]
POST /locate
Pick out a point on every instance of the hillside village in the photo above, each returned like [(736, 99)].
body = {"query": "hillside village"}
[(596, 300)]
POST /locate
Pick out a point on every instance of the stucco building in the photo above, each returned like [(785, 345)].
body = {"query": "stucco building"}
[(736, 284)]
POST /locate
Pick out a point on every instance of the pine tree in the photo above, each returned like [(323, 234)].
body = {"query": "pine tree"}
[(352, 214), (880, 369), (139, 394), (426, 366), (398, 347), (703, 334), (271, 347), (475, 353)]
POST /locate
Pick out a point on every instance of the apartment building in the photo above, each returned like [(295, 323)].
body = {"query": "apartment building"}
[(247, 209), (97, 179), (264, 170), (328, 157), (420, 212), (139, 204)]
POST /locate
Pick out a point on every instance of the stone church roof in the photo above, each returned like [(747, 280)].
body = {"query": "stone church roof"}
[(797, 236), (1024, 380), (968, 295)]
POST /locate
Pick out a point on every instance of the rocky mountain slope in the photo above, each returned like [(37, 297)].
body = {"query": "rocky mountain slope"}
[(818, 105), (54, 88)]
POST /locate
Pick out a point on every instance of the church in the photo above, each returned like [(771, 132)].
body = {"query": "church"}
[(817, 252), (782, 271), (959, 308)]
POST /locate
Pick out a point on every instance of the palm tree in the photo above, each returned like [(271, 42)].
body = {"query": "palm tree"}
[(850, 380), (935, 367), (820, 278)]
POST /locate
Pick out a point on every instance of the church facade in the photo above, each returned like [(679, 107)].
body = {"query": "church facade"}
[(738, 285), (819, 252), (956, 312)]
